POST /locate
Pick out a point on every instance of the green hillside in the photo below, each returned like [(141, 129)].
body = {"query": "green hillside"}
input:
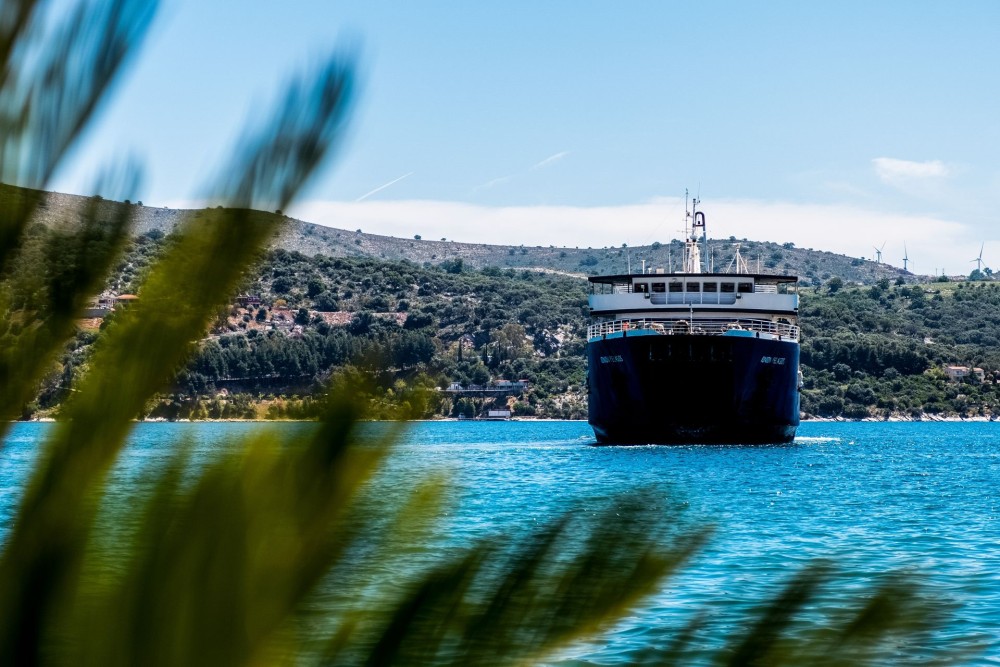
[(881, 351), (476, 315)]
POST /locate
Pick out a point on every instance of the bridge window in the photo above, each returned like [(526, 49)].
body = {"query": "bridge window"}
[(641, 288), (711, 287), (694, 287), (659, 287), (728, 288), (746, 288), (676, 287)]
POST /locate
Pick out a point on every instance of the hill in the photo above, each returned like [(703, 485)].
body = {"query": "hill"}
[(482, 316), (885, 351), (868, 352), (814, 267)]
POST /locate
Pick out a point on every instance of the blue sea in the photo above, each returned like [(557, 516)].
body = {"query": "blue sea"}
[(872, 498)]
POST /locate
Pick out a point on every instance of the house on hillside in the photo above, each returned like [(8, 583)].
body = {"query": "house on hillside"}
[(511, 385), (956, 373), (248, 300), (105, 303)]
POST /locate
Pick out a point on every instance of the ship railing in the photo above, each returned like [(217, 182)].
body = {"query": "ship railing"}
[(696, 326)]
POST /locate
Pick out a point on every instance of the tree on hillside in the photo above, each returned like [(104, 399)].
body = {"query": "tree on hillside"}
[(509, 342)]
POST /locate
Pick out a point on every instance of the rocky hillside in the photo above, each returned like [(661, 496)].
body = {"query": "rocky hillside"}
[(813, 266)]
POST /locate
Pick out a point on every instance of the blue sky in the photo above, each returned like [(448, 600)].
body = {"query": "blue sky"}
[(839, 126)]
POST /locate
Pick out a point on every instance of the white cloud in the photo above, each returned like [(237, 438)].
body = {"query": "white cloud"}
[(932, 243), (903, 172)]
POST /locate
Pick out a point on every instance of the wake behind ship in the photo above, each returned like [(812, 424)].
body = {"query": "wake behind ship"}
[(694, 356)]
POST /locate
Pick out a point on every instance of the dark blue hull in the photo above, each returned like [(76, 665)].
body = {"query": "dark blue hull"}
[(692, 389)]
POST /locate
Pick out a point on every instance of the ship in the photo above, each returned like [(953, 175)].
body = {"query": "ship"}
[(694, 356)]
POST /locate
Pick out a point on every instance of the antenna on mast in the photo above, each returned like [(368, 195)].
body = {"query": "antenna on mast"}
[(689, 215), (905, 256)]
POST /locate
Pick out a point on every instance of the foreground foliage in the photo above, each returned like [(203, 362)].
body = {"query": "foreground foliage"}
[(232, 561)]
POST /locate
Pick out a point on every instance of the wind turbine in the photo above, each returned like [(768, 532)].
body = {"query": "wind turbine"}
[(878, 254), (905, 257), (979, 260)]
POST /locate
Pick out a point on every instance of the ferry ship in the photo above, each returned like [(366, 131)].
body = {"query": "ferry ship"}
[(694, 356)]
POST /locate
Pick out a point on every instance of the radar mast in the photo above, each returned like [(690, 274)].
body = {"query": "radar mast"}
[(692, 253)]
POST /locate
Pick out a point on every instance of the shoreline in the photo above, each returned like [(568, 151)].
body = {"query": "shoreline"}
[(902, 419), (162, 420)]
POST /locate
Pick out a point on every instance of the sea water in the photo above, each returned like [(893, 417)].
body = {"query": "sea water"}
[(873, 498)]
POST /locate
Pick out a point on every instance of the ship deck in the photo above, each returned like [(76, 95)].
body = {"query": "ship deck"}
[(749, 327)]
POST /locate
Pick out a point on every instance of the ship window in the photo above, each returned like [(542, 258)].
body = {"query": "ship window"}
[(641, 288), (675, 287), (746, 287), (658, 287), (728, 288), (694, 287), (711, 287)]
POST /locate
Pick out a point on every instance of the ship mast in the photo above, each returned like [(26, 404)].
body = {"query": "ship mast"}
[(738, 265), (692, 253)]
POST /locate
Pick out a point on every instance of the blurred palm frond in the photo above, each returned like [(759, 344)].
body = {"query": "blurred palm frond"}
[(53, 76), (148, 344)]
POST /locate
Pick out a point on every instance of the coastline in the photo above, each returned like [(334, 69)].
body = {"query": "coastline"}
[(924, 417)]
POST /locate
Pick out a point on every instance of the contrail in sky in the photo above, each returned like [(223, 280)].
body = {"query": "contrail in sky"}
[(383, 187), (549, 160), (538, 165), (490, 184)]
